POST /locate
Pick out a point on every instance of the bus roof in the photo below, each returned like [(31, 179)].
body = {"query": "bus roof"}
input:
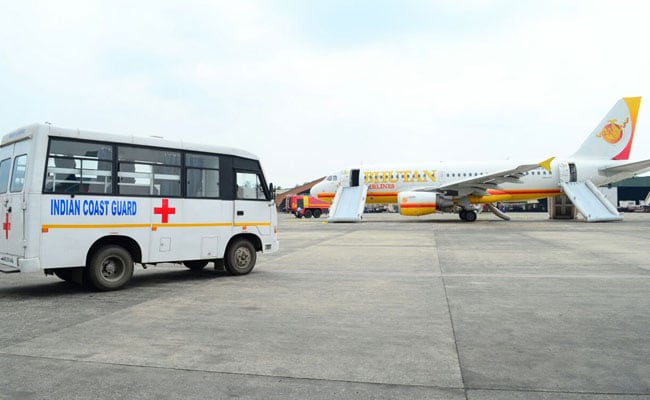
[(50, 130)]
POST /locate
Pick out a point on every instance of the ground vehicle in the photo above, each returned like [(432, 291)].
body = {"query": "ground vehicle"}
[(306, 206), (85, 206)]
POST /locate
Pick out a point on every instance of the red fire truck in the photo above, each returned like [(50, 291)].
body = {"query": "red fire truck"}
[(306, 206)]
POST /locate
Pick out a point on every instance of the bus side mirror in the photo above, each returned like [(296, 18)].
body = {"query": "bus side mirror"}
[(272, 190)]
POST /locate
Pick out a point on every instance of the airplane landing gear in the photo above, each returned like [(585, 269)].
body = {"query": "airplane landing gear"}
[(467, 215)]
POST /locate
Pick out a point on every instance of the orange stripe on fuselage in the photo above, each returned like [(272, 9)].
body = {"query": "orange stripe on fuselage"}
[(417, 205), (514, 195), (493, 196)]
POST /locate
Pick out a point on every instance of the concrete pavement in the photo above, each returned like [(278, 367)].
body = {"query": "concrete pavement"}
[(394, 307)]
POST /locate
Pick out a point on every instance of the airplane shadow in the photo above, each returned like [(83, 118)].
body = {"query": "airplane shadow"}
[(432, 221)]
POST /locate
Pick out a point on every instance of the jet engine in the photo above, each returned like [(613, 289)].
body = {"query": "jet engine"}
[(422, 203)]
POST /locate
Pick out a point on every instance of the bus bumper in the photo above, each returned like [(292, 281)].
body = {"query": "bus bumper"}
[(271, 247)]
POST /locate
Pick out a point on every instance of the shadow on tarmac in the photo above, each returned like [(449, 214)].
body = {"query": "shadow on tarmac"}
[(54, 287)]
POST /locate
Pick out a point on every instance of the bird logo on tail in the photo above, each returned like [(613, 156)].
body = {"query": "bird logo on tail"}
[(612, 132)]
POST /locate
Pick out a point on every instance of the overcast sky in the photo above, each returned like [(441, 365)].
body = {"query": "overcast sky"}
[(314, 86)]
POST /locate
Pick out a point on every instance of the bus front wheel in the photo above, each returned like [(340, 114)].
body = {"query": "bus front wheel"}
[(110, 268), (241, 257)]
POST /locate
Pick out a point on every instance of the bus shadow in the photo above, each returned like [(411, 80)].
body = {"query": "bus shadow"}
[(153, 276), (53, 287), (48, 288)]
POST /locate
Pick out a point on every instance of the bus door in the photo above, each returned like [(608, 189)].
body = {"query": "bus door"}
[(253, 208), (13, 166)]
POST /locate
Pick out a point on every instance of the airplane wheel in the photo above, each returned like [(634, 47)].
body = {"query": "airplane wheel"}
[(470, 216)]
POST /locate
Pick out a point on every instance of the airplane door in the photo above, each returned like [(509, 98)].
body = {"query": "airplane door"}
[(573, 173), (354, 178), (568, 172)]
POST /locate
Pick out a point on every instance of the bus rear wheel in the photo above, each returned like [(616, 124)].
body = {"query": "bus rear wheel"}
[(240, 258), (110, 268), (195, 265)]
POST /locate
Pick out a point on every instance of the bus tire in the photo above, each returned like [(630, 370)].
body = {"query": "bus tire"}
[(240, 257), (195, 265), (307, 213), (317, 213), (110, 268)]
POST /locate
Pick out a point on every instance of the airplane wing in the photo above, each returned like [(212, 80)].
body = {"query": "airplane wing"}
[(478, 185), (636, 167)]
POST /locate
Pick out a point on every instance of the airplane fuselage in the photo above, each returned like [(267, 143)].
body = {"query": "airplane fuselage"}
[(385, 182)]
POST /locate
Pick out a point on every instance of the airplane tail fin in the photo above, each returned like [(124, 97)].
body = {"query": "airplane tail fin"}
[(612, 138)]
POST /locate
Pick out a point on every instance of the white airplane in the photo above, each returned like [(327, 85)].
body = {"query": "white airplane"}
[(463, 186)]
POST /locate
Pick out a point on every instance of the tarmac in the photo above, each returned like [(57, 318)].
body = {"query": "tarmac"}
[(393, 307)]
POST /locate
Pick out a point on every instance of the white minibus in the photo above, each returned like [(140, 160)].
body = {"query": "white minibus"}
[(86, 206)]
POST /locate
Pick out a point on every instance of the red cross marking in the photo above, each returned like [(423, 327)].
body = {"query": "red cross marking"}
[(6, 226), (165, 210)]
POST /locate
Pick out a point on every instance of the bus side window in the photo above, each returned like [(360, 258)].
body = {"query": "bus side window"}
[(5, 169), (148, 172), (249, 187), (104, 171), (68, 178), (61, 176), (202, 175), (18, 174), (75, 166)]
